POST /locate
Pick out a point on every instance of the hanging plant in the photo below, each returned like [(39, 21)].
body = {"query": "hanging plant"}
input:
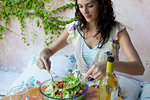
[(21, 9)]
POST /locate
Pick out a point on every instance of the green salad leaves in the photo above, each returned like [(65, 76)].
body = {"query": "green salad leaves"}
[(62, 92)]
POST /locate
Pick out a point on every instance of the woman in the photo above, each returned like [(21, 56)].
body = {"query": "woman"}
[(95, 36)]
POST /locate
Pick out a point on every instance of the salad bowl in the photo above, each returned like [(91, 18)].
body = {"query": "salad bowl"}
[(50, 92)]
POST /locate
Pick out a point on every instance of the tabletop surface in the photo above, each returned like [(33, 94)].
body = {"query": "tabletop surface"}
[(92, 94)]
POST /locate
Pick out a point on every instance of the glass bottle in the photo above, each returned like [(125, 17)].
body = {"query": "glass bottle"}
[(108, 86)]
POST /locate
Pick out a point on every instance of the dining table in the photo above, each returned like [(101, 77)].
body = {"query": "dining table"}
[(34, 94)]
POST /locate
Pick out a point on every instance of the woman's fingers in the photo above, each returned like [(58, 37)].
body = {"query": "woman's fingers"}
[(95, 71), (90, 71), (98, 77), (44, 63), (40, 63), (97, 74), (47, 64)]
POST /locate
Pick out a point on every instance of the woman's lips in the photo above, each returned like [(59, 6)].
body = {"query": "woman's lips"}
[(88, 16)]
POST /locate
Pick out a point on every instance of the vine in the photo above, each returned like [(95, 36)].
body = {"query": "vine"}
[(21, 9)]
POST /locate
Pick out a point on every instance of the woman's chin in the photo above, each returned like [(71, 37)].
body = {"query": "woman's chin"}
[(89, 20)]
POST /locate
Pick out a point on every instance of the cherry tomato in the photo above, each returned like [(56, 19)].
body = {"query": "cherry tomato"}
[(60, 85)]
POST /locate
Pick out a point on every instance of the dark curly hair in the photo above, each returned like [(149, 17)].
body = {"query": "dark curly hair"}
[(106, 20)]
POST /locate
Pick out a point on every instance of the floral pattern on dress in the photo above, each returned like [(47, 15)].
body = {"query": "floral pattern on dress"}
[(74, 27), (31, 83), (34, 59), (108, 53), (114, 43), (88, 67), (72, 58)]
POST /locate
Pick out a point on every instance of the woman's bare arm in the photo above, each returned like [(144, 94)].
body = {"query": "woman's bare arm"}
[(134, 65), (43, 61)]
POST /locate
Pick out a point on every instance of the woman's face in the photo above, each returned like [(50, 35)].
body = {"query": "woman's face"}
[(89, 9)]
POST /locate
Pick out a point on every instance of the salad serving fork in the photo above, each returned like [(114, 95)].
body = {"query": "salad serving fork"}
[(53, 80)]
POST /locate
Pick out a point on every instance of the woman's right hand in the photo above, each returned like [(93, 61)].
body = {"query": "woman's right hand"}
[(43, 61)]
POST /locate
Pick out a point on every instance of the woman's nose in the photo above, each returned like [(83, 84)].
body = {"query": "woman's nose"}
[(86, 11)]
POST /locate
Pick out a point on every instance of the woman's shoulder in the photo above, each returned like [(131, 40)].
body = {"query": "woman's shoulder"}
[(116, 29), (120, 26), (72, 26), (72, 23), (73, 32)]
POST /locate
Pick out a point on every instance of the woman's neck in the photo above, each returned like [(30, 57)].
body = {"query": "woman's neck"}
[(91, 25)]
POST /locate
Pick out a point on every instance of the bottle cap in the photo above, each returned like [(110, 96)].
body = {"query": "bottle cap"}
[(110, 59)]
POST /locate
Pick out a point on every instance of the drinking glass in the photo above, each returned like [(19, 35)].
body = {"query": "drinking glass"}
[(19, 93)]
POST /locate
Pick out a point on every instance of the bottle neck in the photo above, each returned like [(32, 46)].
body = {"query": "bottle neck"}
[(109, 68)]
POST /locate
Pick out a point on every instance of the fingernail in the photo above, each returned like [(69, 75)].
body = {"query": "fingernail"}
[(90, 79)]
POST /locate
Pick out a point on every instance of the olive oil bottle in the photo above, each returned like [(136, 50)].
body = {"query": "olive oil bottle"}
[(108, 86)]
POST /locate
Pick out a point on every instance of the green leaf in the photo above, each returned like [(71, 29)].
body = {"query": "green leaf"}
[(10, 9), (1, 38), (22, 34), (23, 38), (28, 44), (57, 36), (38, 23), (40, 27), (34, 34), (51, 37), (33, 17)]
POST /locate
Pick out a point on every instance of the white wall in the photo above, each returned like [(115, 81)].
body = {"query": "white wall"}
[(135, 14), (14, 53)]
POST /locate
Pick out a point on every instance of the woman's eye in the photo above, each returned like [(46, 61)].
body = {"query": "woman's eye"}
[(80, 6), (90, 5)]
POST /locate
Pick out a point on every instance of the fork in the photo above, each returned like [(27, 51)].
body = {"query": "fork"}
[(53, 79)]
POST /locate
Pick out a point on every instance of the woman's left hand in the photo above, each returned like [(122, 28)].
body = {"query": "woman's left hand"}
[(97, 71)]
